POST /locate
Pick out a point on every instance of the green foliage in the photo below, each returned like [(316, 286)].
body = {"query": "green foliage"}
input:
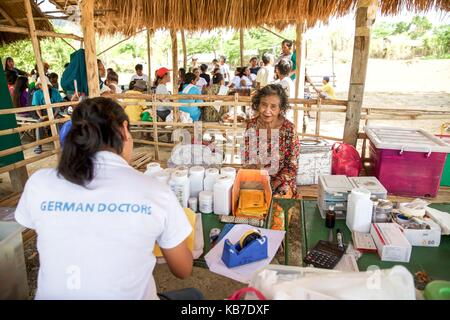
[(383, 29), (401, 27), (438, 45), (419, 26)]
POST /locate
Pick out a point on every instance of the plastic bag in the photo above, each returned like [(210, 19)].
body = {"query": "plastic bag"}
[(346, 160), (295, 283)]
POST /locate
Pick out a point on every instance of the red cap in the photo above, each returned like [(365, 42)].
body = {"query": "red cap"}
[(161, 72)]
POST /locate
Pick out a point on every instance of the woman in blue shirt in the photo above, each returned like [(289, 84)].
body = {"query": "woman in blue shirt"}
[(189, 87)]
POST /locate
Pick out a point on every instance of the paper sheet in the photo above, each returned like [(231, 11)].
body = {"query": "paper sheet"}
[(242, 273)]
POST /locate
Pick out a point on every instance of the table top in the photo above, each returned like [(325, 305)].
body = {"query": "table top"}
[(435, 261)]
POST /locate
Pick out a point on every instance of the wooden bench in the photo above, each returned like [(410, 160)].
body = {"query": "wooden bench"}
[(23, 121)]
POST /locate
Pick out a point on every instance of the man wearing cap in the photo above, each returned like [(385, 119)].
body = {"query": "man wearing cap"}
[(39, 100), (162, 79)]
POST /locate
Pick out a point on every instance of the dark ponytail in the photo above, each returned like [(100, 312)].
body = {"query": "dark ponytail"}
[(96, 126)]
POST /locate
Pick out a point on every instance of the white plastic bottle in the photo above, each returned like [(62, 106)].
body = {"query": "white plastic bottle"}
[(229, 171), (183, 169), (206, 200), (179, 184), (192, 203), (211, 175), (152, 168), (196, 177), (359, 210), (222, 194), (162, 176)]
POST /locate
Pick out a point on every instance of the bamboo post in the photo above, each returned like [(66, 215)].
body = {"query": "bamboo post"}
[(300, 70), (236, 99), (155, 129), (241, 45), (87, 24), (319, 104), (40, 65), (149, 58), (183, 43), (173, 35), (365, 16)]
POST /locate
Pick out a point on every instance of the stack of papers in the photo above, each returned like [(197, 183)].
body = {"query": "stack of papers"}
[(242, 273), (252, 203)]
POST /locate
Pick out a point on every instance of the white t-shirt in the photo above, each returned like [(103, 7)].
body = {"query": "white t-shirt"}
[(136, 77), (162, 89), (288, 86), (117, 88), (236, 81), (225, 71), (97, 242), (201, 82), (265, 75), (248, 82)]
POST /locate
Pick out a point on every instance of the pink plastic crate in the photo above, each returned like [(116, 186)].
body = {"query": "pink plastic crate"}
[(407, 162), (410, 174)]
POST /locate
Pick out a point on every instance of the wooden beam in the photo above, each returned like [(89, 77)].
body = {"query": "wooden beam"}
[(38, 33), (18, 178), (300, 55), (87, 25), (8, 17), (149, 58), (173, 35), (241, 45), (123, 40), (183, 43), (365, 17), (66, 42), (40, 65)]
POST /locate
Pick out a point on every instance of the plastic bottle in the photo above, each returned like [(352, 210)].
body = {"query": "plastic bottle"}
[(179, 184), (162, 176), (222, 194), (152, 168), (211, 175), (359, 210), (182, 169), (192, 203), (229, 171), (206, 200), (196, 177)]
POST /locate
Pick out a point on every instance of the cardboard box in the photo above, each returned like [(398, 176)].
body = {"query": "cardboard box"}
[(391, 243), (424, 237)]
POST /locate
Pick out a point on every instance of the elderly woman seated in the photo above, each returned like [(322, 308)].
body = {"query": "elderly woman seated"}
[(271, 141)]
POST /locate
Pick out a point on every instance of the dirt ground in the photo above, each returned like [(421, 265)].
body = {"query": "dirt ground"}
[(390, 83)]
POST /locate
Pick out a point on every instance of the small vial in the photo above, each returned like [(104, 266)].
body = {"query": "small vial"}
[(330, 218)]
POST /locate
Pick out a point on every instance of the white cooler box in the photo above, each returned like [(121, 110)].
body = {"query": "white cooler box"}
[(314, 160)]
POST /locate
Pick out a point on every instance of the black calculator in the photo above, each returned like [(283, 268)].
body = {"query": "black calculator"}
[(324, 255)]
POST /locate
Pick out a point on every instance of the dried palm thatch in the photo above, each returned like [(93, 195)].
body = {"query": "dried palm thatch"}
[(129, 16), (12, 13)]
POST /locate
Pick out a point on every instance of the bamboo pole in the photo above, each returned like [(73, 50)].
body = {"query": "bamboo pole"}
[(66, 42), (241, 45), (300, 70), (87, 24), (25, 162), (39, 33), (40, 65), (155, 130), (32, 126), (149, 58), (183, 44), (34, 108), (365, 16), (153, 143), (8, 17), (24, 147), (318, 119), (173, 35)]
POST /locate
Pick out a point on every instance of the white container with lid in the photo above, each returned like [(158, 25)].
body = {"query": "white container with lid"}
[(206, 200), (196, 177), (414, 140), (229, 171), (222, 194), (192, 203), (359, 210), (211, 175), (179, 184), (169, 170), (162, 176), (183, 169), (152, 168), (370, 183)]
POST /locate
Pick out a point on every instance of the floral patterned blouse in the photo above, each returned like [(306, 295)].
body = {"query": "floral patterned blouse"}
[(283, 165)]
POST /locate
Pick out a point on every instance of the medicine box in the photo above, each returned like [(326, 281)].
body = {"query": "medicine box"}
[(424, 237), (314, 160), (391, 243), (370, 183)]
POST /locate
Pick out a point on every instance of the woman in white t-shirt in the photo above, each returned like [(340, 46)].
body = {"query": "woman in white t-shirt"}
[(97, 219), (161, 81)]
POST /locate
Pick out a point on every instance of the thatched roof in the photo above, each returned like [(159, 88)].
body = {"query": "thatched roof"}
[(128, 16), (12, 13)]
